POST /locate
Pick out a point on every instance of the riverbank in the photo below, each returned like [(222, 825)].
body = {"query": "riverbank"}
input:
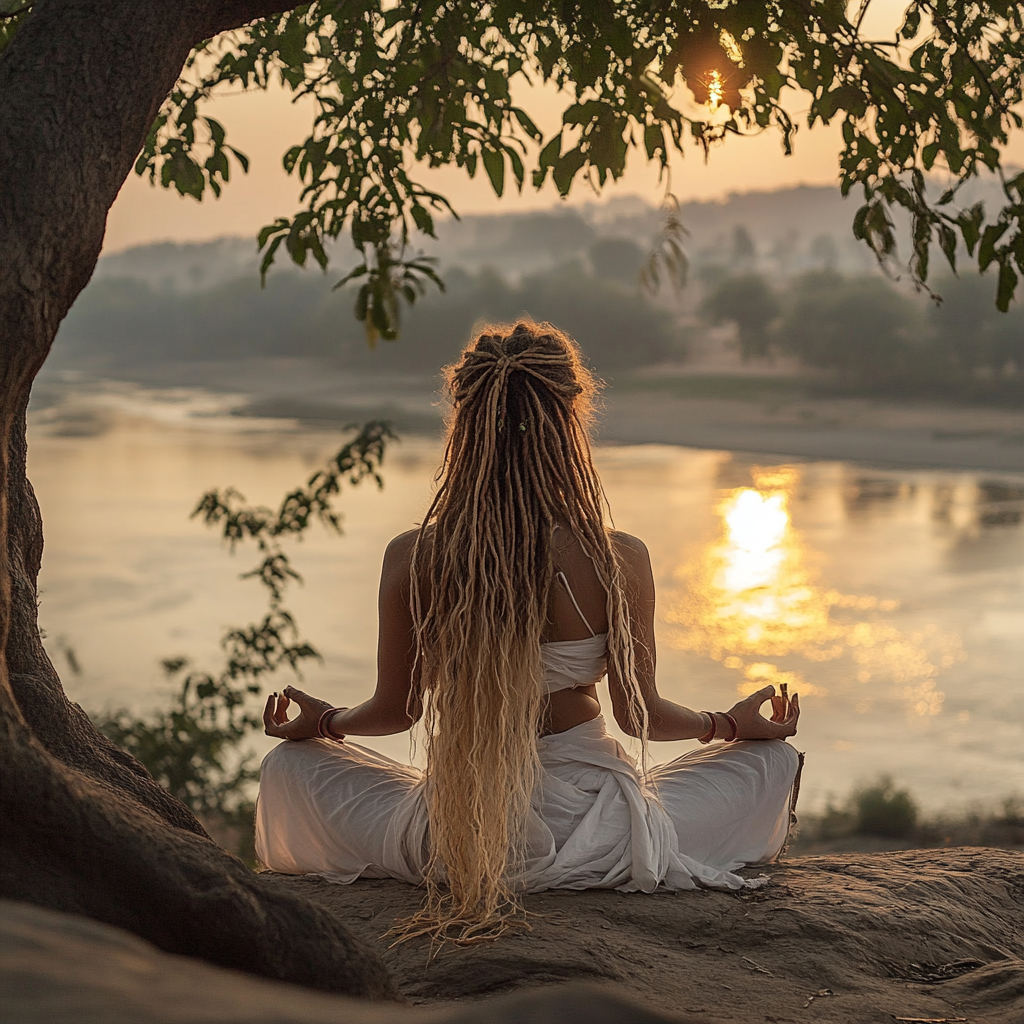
[(770, 413), (778, 416)]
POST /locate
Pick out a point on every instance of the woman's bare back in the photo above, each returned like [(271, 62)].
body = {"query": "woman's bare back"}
[(572, 614)]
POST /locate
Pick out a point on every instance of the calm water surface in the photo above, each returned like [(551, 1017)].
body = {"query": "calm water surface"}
[(892, 600)]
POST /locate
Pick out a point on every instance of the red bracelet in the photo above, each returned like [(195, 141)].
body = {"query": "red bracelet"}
[(735, 729), (710, 734), (321, 726)]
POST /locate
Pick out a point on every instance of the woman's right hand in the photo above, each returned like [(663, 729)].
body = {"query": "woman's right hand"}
[(305, 727), (752, 725)]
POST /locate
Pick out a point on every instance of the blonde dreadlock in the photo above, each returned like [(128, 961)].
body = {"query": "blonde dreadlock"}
[(517, 463)]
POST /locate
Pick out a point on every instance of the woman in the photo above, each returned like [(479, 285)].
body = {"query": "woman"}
[(498, 617)]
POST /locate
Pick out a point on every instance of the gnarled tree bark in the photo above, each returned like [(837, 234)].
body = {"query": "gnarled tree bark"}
[(83, 827)]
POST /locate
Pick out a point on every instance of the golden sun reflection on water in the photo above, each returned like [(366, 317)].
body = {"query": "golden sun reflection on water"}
[(753, 593)]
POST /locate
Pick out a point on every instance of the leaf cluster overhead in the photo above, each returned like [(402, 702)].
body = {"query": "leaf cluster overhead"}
[(448, 83)]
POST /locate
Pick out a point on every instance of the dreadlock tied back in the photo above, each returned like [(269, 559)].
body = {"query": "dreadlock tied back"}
[(517, 464)]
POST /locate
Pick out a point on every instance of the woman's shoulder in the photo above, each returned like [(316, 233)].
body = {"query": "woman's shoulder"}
[(629, 547), (634, 561), (398, 560), (400, 548)]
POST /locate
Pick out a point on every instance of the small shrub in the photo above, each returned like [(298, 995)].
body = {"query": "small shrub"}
[(883, 810), (194, 746), (836, 823)]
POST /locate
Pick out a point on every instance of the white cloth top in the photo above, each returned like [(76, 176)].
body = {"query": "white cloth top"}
[(569, 663)]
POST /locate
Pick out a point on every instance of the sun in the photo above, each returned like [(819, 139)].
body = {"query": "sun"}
[(716, 89)]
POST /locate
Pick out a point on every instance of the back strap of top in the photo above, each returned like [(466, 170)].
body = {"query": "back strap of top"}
[(560, 576)]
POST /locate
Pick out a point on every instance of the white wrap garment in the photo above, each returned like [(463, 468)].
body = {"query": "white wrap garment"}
[(344, 811)]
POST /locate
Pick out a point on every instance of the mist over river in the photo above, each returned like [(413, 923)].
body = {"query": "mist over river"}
[(892, 600)]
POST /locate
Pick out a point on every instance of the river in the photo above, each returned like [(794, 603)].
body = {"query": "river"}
[(892, 600)]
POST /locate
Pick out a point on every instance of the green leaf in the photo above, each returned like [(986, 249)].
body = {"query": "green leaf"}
[(240, 157), (518, 171), (361, 271), (421, 215), (911, 23), (987, 250), (947, 241), (654, 141), (279, 225), (494, 164), (1007, 285), (548, 157), (362, 302), (970, 221), (860, 221), (566, 169), (268, 258), (527, 124), (217, 133), (549, 154)]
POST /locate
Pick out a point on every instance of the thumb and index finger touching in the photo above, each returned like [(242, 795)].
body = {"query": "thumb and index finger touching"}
[(783, 716), (275, 711), (300, 697)]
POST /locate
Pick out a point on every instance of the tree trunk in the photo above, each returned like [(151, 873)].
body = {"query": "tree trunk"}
[(83, 827)]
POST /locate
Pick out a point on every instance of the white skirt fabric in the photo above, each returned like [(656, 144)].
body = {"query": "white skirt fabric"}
[(343, 811)]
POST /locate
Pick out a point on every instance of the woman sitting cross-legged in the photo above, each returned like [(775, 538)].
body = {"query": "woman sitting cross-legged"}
[(498, 617)]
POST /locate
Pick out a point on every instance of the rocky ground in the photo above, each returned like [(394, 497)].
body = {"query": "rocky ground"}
[(921, 935)]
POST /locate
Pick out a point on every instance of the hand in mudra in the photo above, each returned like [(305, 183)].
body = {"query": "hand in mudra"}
[(305, 727), (752, 725)]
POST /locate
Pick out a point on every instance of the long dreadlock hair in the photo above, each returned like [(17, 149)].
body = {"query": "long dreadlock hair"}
[(517, 463)]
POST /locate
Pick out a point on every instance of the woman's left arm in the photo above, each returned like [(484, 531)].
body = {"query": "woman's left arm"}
[(389, 710)]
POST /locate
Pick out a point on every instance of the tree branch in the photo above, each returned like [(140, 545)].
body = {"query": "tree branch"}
[(8, 15), (235, 13)]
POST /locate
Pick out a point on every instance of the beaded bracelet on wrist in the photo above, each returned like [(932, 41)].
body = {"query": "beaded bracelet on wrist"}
[(735, 729), (710, 734), (323, 726)]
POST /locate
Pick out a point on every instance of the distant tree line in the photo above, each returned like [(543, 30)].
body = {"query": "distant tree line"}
[(873, 336), (119, 323), (862, 333)]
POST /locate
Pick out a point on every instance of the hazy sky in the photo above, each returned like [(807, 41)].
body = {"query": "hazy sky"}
[(264, 125)]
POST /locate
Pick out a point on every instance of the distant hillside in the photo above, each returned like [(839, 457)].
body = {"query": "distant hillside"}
[(779, 233), (121, 326), (787, 229), (777, 274), (182, 266)]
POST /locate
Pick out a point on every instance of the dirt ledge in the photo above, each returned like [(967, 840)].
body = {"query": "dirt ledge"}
[(856, 939), (862, 937)]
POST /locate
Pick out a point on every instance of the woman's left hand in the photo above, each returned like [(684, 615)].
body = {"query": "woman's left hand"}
[(751, 725), (305, 727)]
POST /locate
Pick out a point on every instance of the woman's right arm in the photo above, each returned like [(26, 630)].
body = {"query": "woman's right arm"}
[(666, 719), (390, 709)]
